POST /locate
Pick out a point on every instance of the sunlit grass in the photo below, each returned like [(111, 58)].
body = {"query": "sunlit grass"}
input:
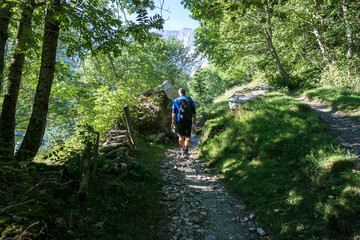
[(279, 157), (347, 102)]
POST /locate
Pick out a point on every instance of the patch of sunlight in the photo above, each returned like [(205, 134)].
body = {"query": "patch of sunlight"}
[(224, 97), (241, 173), (301, 227), (349, 189), (328, 209), (256, 163), (201, 188), (229, 164), (242, 115), (48, 161), (329, 162), (319, 206), (284, 228), (294, 198)]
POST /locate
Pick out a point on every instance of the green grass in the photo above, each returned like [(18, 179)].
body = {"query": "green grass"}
[(277, 155), (122, 203), (346, 102), (128, 203)]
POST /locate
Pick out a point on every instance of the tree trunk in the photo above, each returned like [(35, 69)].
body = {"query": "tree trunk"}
[(96, 156), (349, 53), (130, 128), (5, 16), (36, 128), (316, 32), (268, 35), (321, 45), (8, 112), (85, 177)]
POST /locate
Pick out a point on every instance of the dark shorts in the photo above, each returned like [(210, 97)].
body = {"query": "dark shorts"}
[(184, 128)]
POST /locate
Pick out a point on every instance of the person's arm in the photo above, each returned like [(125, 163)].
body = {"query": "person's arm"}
[(194, 112), (173, 118), (173, 114), (194, 120)]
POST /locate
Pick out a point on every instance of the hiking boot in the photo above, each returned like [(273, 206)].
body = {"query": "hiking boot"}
[(181, 154), (186, 151)]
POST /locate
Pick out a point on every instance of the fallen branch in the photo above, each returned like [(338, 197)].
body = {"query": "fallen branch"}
[(22, 234), (15, 205)]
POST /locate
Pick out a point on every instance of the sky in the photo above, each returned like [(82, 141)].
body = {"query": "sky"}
[(174, 14), (176, 17)]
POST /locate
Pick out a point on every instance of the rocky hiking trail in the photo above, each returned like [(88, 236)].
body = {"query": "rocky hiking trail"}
[(196, 205), (344, 129)]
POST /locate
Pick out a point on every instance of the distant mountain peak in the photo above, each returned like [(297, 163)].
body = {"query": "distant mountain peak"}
[(185, 35)]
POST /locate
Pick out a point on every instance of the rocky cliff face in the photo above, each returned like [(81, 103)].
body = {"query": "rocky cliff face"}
[(185, 35)]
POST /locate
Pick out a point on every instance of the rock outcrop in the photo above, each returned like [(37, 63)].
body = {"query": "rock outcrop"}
[(153, 113), (170, 91), (246, 94)]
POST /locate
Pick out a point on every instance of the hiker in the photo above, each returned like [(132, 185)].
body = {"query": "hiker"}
[(183, 117)]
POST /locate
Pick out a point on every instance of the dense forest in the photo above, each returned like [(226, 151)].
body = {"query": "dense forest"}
[(69, 63), (68, 68), (292, 44)]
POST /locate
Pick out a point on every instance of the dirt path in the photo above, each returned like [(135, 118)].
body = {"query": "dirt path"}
[(196, 205), (346, 131)]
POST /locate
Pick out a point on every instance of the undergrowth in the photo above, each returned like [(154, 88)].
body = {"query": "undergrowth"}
[(40, 199), (277, 155), (345, 101)]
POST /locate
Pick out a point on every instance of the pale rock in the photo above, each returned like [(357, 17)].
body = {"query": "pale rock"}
[(252, 216), (261, 232), (250, 93), (211, 237), (170, 91)]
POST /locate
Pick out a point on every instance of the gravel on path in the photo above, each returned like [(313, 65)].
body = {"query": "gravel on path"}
[(344, 129), (196, 205)]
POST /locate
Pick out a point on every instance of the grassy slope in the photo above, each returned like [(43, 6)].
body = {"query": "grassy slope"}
[(277, 155), (339, 100), (123, 204)]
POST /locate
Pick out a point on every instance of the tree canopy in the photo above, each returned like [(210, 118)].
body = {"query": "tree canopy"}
[(295, 43)]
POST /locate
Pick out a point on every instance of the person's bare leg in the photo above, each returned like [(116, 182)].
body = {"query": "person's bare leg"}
[(187, 145), (181, 142), (187, 142)]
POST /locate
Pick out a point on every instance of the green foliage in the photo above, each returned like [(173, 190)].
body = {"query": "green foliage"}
[(278, 156), (104, 84), (122, 203), (315, 42), (206, 84)]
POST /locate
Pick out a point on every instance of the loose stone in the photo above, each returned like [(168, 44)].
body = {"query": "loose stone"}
[(197, 206), (261, 232)]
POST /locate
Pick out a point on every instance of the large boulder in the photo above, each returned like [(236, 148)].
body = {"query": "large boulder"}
[(170, 91), (244, 95), (153, 113)]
